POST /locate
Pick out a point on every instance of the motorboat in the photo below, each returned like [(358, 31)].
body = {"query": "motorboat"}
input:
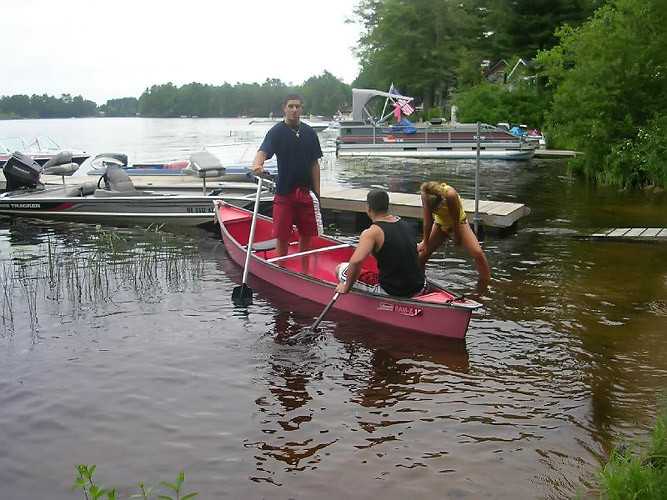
[(215, 167), (436, 312), (42, 149), (111, 199), (366, 135)]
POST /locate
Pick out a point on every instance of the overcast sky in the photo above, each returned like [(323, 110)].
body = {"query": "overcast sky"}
[(117, 48)]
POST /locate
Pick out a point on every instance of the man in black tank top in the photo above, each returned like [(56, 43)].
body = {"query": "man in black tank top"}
[(394, 246)]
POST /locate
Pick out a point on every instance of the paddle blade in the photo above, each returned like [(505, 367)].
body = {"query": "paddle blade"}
[(242, 295)]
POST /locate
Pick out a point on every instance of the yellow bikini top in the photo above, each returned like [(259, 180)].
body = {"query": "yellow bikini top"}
[(442, 212)]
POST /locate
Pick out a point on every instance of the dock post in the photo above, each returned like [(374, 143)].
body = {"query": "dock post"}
[(476, 219)]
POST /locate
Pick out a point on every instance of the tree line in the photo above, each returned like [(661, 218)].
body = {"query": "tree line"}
[(596, 80), (323, 95)]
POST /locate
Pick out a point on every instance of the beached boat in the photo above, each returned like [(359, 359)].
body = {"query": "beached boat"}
[(365, 135), (113, 199), (41, 150), (436, 312)]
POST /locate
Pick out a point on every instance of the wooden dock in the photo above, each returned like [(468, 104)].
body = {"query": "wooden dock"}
[(494, 214), (555, 153), (643, 234)]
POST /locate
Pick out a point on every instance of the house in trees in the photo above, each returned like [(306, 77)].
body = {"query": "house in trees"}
[(523, 71), (501, 73), (495, 73)]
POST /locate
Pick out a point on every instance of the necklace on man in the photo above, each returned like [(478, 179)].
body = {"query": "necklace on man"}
[(297, 131)]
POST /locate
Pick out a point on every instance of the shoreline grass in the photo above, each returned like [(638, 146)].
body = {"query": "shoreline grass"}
[(638, 474)]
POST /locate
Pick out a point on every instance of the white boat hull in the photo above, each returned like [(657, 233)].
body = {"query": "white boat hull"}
[(180, 210), (431, 153)]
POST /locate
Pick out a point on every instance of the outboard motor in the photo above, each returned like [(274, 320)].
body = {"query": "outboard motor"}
[(21, 171)]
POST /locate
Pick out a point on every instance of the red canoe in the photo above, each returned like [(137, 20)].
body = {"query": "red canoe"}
[(436, 312)]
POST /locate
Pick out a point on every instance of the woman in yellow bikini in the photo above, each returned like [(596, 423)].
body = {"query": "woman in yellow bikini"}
[(441, 204)]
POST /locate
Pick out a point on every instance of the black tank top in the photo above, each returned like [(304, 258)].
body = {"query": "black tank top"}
[(398, 261)]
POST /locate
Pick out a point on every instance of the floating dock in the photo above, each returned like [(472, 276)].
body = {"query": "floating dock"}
[(643, 234), (493, 214), (555, 153)]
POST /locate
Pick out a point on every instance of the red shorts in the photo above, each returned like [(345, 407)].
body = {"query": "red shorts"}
[(300, 207)]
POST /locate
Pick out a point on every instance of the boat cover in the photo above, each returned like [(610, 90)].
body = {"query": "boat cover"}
[(405, 126)]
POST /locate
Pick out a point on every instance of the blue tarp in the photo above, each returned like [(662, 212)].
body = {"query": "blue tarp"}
[(404, 126)]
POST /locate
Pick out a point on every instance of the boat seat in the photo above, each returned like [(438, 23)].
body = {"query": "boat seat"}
[(203, 165), (268, 245), (62, 169), (264, 246), (118, 183), (62, 158), (81, 190)]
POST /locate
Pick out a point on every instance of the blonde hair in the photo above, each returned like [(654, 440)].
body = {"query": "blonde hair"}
[(433, 194)]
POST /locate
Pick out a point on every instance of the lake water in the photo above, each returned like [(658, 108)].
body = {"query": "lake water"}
[(121, 347)]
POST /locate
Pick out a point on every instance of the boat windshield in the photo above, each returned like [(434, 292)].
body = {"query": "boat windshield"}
[(237, 153), (45, 143), (11, 144)]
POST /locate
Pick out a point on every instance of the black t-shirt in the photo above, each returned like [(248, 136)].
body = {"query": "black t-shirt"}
[(398, 260), (295, 155)]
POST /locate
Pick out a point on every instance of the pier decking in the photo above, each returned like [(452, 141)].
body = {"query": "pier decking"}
[(645, 234), (494, 214), (555, 153)]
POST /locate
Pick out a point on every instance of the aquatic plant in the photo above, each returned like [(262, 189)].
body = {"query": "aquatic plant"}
[(7, 280), (90, 272), (630, 473), (91, 491)]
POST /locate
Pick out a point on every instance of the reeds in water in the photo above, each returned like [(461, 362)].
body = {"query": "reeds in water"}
[(76, 277)]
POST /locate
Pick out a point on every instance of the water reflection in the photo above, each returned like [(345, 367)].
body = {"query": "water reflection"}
[(389, 374)]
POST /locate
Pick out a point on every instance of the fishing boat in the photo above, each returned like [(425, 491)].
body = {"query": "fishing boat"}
[(112, 199), (214, 167), (366, 135), (436, 312)]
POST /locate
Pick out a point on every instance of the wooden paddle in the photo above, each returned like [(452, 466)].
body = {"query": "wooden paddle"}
[(306, 332), (242, 294), (324, 312)]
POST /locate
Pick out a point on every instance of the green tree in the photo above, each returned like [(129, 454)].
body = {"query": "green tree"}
[(525, 27), (17, 106), (610, 77), (324, 94), (415, 44), (492, 104), (158, 101), (126, 106)]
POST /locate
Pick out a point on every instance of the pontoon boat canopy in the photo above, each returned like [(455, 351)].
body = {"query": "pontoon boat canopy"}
[(361, 97)]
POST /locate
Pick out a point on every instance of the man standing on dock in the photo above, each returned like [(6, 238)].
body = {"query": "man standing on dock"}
[(297, 149)]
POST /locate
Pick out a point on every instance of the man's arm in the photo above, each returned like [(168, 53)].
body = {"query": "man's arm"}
[(367, 242), (258, 163), (315, 167)]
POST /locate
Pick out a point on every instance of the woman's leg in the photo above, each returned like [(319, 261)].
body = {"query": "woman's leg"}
[(435, 239), (472, 246)]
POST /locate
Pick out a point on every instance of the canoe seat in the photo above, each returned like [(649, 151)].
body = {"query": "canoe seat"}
[(264, 246), (268, 245)]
